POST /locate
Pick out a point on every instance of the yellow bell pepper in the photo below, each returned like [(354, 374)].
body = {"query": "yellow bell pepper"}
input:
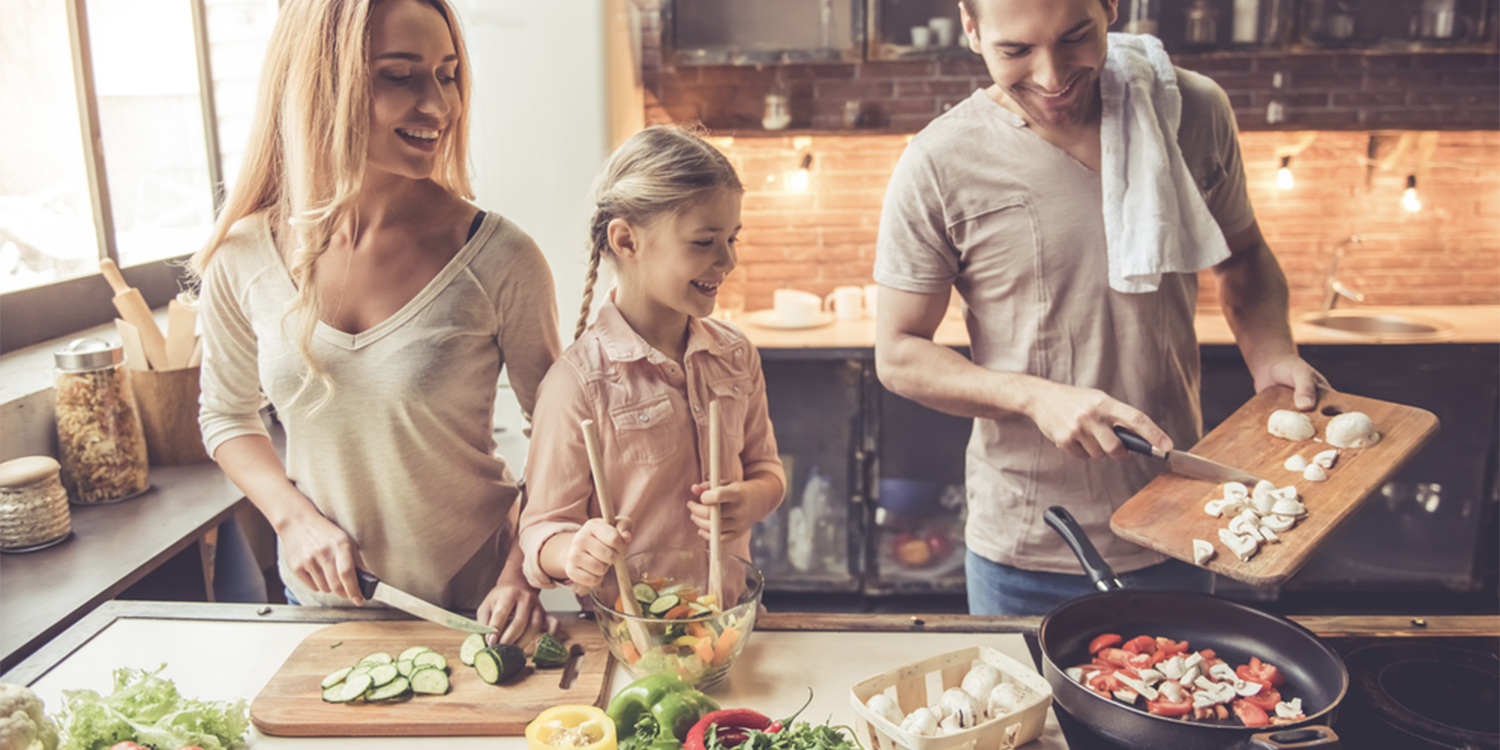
[(578, 727)]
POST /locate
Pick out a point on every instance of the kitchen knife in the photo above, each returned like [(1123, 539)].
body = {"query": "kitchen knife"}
[(1186, 464), (374, 588)]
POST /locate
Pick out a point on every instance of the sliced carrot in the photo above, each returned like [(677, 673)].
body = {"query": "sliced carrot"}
[(725, 646), (688, 595), (678, 612), (656, 583), (699, 630), (631, 655), (704, 648)]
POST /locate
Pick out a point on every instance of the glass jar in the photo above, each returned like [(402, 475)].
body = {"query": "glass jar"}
[(99, 436), (1202, 23), (33, 505)]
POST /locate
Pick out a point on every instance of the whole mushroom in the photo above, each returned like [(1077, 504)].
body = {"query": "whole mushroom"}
[(1291, 425), (1352, 430)]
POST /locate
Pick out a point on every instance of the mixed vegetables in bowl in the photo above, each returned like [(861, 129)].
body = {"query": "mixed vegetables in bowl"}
[(682, 628)]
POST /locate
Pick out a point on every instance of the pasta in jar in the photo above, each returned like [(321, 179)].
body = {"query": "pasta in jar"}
[(100, 441)]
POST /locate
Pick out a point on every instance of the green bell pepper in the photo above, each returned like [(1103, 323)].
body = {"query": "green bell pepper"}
[(656, 712)]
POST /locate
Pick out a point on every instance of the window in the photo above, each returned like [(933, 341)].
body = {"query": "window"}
[(122, 120)]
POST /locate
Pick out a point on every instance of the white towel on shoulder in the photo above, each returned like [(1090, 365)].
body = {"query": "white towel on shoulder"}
[(1155, 220)]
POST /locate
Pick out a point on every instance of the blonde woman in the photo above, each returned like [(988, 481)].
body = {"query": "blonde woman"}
[(351, 282), (667, 217)]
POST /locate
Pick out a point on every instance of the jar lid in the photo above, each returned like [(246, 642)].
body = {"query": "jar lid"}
[(27, 470), (88, 354)]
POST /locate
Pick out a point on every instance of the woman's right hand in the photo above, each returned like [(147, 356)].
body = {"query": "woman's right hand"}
[(594, 548), (323, 557)]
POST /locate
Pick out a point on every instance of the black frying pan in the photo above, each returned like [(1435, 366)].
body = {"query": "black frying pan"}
[(1236, 632)]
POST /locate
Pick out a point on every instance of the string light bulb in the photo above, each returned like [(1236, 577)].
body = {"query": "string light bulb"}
[(1410, 200), (798, 180), (1284, 179)]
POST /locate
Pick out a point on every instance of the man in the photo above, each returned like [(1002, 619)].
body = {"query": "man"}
[(1001, 199)]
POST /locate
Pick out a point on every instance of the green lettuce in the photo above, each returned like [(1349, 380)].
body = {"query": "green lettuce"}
[(147, 709)]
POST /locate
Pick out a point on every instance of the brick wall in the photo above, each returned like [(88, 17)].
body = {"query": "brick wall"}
[(1447, 253)]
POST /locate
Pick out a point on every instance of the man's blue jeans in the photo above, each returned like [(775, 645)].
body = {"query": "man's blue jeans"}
[(996, 589)]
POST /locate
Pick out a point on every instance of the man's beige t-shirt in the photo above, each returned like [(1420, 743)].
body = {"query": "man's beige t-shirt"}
[(981, 203)]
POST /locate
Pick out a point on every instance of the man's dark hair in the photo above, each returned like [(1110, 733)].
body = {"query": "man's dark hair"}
[(974, 9)]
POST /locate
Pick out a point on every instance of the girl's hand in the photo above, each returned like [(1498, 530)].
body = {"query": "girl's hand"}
[(323, 557), (515, 608), (594, 548), (738, 514)]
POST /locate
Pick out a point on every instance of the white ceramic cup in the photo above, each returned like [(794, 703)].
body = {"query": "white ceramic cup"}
[(942, 31), (795, 307), (921, 36), (872, 294), (846, 302)]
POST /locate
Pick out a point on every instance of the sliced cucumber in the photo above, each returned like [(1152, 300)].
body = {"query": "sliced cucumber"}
[(360, 669), (379, 657), (644, 592), (471, 646), (383, 674), (334, 694), (355, 687), (405, 667), (487, 664), (430, 659), (698, 609), (411, 653), (336, 677), (390, 690), (429, 681), (664, 604)]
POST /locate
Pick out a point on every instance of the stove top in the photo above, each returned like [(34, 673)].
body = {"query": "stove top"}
[(1396, 687)]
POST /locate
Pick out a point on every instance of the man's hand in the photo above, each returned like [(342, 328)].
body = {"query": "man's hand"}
[(1293, 372), (1081, 421), (515, 608), (594, 548)]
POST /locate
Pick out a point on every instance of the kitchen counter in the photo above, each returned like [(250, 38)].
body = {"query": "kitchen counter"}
[(1471, 324), (228, 651)]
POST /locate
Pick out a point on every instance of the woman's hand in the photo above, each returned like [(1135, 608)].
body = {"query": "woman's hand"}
[(594, 548), (515, 609), (322, 556)]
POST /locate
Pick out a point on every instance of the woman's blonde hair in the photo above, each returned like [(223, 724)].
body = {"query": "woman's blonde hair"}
[(305, 161), (660, 171)]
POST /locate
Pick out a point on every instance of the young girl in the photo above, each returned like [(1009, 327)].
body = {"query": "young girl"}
[(667, 210), (351, 283)]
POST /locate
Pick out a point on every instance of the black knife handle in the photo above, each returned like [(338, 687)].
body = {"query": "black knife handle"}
[(1134, 442), (367, 583)]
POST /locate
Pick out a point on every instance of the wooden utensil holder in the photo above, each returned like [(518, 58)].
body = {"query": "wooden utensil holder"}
[(168, 405)]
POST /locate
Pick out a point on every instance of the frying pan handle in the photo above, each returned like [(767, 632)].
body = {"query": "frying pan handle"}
[(1314, 735), (1099, 571)]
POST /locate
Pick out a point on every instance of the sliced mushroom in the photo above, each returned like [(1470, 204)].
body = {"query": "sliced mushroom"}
[(1222, 671), (1288, 492), (1235, 491), (1146, 691), (1192, 660), (1285, 507), (1277, 523), (1074, 673), (1203, 551), (1247, 688), (1126, 695), (1191, 674), (1204, 683), (1215, 508), (1327, 458), (1150, 676), (1315, 473), (1246, 524), (1170, 691), (1225, 693), (1262, 487), (1289, 709), (1267, 535), (1172, 668), (1243, 547), (1295, 463)]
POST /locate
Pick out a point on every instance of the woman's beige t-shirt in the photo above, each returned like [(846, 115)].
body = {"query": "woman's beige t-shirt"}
[(402, 456), (981, 203)]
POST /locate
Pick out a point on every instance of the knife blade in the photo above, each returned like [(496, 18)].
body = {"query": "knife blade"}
[(1186, 464), (380, 591)]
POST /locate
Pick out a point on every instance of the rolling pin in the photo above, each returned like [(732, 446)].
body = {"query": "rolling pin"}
[(134, 310)]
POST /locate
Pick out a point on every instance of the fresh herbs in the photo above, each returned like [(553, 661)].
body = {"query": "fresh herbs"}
[(797, 736)]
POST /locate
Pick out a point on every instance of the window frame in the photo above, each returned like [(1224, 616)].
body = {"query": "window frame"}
[(42, 313)]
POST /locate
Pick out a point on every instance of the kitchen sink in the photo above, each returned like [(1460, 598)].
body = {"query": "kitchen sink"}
[(1379, 326)]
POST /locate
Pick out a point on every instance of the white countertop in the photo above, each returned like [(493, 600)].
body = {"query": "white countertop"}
[(228, 660)]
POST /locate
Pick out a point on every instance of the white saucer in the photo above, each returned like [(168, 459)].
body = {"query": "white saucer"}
[(769, 319)]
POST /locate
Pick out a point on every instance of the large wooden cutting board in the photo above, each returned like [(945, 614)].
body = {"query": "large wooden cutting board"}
[(291, 703), (1167, 515)]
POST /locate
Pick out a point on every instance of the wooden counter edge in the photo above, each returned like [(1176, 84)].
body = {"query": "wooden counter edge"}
[(35, 666)]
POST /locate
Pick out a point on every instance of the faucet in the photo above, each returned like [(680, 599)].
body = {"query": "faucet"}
[(1332, 287)]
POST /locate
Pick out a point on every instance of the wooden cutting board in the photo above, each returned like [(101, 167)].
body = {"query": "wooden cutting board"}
[(1167, 514), (291, 703)]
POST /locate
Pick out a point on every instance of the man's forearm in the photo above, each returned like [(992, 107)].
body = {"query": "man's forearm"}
[(1253, 294), (940, 378)]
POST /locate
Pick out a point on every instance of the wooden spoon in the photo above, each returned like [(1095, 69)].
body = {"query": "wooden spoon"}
[(715, 519), (607, 509)]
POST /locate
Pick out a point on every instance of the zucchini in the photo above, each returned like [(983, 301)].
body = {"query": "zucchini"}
[(383, 674), (471, 646), (355, 687), (499, 662), (429, 681), (664, 604), (377, 658), (336, 677), (644, 593), (411, 653), (430, 659), (392, 689), (698, 609), (550, 652)]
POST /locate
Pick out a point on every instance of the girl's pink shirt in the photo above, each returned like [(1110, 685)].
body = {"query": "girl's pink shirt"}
[(653, 425)]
